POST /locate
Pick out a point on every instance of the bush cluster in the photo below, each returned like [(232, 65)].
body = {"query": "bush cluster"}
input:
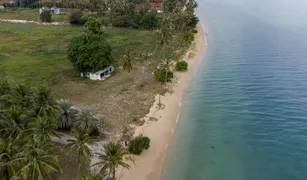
[(163, 75), (46, 16), (138, 144), (181, 65), (76, 17)]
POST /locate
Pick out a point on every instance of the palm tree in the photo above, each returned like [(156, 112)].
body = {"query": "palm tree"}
[(6, 154), (44, 129), (12, 122), (81, 144), (35, 161), (90, 175), (20, 95), (112, 158), (127, 62), (86, 119), (67, 114), (45, 105)]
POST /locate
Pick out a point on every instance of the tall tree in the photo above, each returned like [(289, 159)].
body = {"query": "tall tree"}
[(81, 143), (12, 122), (87, 120), (7, 148), (112, 158), (44, 104), (67, 114), (35, 161)]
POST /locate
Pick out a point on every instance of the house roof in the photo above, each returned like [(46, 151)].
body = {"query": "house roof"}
[(159, 4)]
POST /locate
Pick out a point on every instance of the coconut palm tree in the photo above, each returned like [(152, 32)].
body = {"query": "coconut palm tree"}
[(86, 119), (35, 161), (112, 158), (44, 129), (90, 175), (127, 62), (45, 105), (12, 122), (67, 114), (81, 143), (20, 95), (6, 153)]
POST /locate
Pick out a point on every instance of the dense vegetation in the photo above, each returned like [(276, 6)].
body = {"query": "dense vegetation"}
[(31, 117), (138, 144)]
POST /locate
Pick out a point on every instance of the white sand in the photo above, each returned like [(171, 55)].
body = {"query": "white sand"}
[(148, 165)]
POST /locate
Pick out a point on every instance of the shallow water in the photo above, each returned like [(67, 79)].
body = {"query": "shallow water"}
[(245, 115)]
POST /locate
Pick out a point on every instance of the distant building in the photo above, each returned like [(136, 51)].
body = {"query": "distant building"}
[(53, 10), (158, 6), (99, 75)]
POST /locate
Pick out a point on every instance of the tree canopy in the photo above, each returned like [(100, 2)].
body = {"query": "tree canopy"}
[(90, 53)]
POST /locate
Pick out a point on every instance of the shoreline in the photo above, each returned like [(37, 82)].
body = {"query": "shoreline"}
[(149, 164)]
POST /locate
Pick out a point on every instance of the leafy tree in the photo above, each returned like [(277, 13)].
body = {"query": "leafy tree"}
[(112, 158), (90, 53), (150, 21), (81, 144), (67, 114), (76, 17), (46, 16), (93, 25)]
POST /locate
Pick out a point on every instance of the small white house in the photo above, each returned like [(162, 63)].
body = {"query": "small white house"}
[(53, 10), (100, 75)]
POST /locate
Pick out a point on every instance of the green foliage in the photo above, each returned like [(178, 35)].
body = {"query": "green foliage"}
[(46, 16), (76, 17), (150, 21), (138, 144), (112, 158), (90, 53), (163, 75), (93, 25), (4, 87), (125, 22), (181, 65), (67, 114), (127, 62), (81, 143)]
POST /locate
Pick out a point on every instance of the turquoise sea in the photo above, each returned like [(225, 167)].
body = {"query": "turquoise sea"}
[(244, 117)]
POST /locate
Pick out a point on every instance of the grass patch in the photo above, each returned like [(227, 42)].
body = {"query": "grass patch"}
[(36, 55)]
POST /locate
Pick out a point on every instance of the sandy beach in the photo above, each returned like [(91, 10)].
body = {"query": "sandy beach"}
[(148, 165)]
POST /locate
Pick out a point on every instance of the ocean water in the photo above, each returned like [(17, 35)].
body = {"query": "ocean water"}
[(244, 117)]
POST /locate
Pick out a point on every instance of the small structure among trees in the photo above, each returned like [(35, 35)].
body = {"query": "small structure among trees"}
[(99, 75)]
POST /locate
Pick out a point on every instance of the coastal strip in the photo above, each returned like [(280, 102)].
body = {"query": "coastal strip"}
[(149, 164)]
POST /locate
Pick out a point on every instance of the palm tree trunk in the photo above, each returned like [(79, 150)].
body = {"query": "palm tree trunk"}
[(113, 173)]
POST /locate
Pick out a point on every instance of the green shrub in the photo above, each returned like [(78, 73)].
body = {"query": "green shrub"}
[(138, 144), (150, 21), (163, 75), (46, 16), (181, 65), (76, 17), (93, 25)]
